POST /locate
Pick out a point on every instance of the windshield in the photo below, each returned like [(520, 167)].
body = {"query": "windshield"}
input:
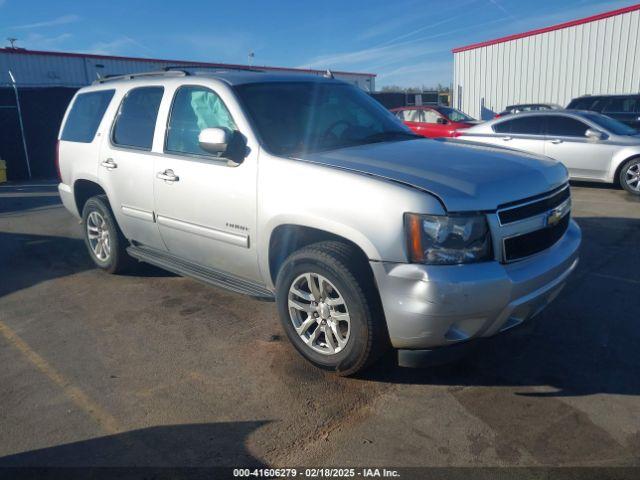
[(610, 124), (455, 115), (295, 117)]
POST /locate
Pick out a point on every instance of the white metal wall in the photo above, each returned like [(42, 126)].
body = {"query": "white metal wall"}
[(598, 57), (61, 70)]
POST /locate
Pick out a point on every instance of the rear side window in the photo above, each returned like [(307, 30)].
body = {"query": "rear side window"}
[(621, 105), (411, 115), (565, 127), (136, 120), (533, 125), (193, 110), (587, 103), (85, 116)]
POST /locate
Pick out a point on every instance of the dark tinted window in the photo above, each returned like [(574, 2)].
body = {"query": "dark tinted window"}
[(136, 119), (621, 105), (610, 124), (85, 116), (193, 110), (533, 125), (565, 127), (585, 103)]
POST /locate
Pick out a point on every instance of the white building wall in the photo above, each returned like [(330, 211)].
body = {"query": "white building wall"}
[(33, 70), (599, 57)]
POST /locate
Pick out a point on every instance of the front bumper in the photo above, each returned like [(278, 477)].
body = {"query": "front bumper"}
[(430, 306)]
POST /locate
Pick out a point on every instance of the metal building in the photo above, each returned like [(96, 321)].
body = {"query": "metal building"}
[(33, 68), (594, 55)]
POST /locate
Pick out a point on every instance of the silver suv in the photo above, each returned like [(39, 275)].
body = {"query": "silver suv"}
[(304, 190)]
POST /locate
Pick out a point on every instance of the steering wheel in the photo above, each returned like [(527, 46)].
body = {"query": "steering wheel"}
[(329, 130)]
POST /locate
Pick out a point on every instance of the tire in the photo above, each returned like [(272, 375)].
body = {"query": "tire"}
[(354, 332), (630, 176), (100, 227)]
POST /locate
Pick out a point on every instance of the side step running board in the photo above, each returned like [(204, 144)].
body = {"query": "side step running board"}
[(204, 274)]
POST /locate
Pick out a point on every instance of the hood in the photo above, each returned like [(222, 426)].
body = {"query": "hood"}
[(465, 176)]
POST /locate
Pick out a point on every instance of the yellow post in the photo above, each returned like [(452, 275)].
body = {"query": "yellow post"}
[(3, 171)]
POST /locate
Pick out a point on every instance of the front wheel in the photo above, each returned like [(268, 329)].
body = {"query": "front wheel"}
[(330, 309), (630, 176)]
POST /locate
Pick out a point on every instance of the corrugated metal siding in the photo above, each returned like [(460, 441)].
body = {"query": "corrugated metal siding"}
[(598, 57), (32, 70)]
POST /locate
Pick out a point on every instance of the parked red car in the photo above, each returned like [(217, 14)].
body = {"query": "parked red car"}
[(434, 121)]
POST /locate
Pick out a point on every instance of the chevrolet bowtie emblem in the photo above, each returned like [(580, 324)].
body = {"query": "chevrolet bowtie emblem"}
[(554, 216)]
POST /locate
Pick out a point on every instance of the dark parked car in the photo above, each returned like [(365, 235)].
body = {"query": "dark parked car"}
[(624, 108), (528, 107)]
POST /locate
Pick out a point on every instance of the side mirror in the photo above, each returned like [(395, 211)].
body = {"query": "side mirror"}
[(594, 134), (214, 140), (441, 121), (225, 143)]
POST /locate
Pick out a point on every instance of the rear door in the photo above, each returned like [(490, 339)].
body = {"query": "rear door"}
[(412, 118), (126, 169), (521, 132), (567, 143)]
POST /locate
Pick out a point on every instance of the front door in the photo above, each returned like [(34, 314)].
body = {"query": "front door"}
[(205, 207), (583, 157), (126, 166)]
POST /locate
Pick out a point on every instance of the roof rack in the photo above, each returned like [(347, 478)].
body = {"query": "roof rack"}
[(172, 68), (129, 76)]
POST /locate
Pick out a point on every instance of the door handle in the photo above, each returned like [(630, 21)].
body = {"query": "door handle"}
[(506, 139), (556, 141), (167, 176), (109, 164)]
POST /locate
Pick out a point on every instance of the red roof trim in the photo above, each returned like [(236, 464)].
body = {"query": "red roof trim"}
[(177, 62), (559, 26)]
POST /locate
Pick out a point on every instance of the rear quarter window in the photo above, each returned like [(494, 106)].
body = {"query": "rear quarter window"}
[(85, 116)]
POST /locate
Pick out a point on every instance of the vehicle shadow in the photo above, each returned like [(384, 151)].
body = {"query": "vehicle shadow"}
[(586, 342), (163, 447), (31, 259)]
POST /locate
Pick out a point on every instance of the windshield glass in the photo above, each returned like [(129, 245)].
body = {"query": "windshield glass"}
[(295, 117), (610, 124), (455, 115)]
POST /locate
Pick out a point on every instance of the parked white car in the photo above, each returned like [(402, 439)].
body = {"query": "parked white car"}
[(592, 146)]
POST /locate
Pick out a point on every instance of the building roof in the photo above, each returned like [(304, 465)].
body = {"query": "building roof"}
[(559, 26), (22, 51)]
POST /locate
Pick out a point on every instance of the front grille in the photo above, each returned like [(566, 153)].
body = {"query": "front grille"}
[(534, 207), (522, 246)]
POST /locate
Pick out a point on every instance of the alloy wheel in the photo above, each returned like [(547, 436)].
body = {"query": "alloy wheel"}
[(319, 313), (632, 176), (98, 235)]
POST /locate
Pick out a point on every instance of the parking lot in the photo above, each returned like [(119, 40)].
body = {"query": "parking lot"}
[(155, 369)]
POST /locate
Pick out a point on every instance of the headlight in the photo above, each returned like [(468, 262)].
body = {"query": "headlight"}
[(447, 240)]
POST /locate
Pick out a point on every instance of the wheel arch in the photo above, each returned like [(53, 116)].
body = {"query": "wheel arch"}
[(83, 190), (287, 238), (616, 175)]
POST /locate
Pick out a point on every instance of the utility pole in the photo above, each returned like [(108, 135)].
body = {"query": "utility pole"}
[(250, 57), (12, 41), (24, 139)]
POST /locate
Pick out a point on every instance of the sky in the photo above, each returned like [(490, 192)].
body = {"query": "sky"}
[(405, 42)]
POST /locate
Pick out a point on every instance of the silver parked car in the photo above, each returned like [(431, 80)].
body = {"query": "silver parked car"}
[(306, 191), (592, 146)]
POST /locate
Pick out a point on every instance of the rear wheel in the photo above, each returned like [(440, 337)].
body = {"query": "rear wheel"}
[(105, 242), (330, 309), (630, 176)]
